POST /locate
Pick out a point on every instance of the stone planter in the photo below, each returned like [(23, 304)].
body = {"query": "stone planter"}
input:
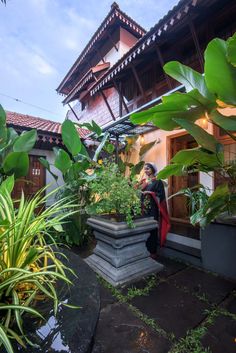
[(120, 256), (72, 330), (218, 242)]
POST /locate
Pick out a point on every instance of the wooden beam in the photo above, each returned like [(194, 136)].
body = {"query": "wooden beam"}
[(74, 112), (160, 57), (100, 55), (117, 148), (196, 43), (112, 41), (137, 80), (121, 98), (108, 105)]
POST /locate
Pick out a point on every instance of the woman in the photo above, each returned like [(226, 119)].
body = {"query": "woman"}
[(154, 204)]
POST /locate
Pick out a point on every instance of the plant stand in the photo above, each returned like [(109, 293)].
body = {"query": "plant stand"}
[(120, 256), (218, 249)]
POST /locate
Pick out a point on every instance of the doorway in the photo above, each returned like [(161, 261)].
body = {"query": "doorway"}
[(178, 205), (33, 181)]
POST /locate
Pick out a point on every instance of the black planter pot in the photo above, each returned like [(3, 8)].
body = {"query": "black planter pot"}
[(219, 249), (72, 330)]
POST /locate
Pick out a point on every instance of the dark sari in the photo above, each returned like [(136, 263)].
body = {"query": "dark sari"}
[(154, 205)]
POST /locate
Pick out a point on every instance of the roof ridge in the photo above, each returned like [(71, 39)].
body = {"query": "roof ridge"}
[(181, 4), (114, 8)]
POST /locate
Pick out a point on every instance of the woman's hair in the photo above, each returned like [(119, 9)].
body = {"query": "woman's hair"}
[(152, 166)]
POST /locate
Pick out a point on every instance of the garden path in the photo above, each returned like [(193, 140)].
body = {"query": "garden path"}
[(183, 309)]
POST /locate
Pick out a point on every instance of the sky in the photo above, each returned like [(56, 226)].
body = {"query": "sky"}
[(41, 39)]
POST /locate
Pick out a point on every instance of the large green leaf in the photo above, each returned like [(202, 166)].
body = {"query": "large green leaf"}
[(46, 165), (12, 135), (100, 147), (2, 117), (226, 122), (16, 163), (71, 137), (62, 160), (231, 50), (136, 169), (25, 142), (145, 148), (93, 127), (217, 203), (220, 75), (190, 78), (202, 137), (171, 169), (84, 151), (194, 156), (176, 106), (7, 185), (3, 136)]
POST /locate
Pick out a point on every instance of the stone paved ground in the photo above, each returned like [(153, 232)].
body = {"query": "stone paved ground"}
[(181, 310)]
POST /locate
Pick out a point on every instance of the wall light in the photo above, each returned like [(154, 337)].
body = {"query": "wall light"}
[(142, 140), (203, 123)]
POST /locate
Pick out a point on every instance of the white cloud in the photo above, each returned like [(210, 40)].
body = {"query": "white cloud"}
[(41, 65)]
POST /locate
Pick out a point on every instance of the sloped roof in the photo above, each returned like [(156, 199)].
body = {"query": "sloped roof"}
[(174, 16), (43, 125), (114, 13)]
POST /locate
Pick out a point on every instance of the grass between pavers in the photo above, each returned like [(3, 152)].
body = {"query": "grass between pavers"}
[(124, 299), (191, 343)]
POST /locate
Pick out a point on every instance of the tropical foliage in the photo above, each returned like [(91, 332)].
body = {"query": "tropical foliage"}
[(14, 149), (29, 267), (114, 194), (76, 164), (207, 96)]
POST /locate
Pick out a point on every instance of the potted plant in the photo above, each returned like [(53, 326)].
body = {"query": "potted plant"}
[(120, 255), (210, 96)]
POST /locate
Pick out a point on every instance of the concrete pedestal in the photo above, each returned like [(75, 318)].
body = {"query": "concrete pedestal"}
[(120, 256)]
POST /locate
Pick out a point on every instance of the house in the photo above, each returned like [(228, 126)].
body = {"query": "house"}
[(48, 136), (136, 81)]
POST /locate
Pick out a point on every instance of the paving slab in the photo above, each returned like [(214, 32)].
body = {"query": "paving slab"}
[(120, 331), (215, 288), (171, 266), (172, 309), (221, 336), (230, 304), (106, 298)]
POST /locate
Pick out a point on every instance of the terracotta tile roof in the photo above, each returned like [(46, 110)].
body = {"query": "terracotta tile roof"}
[(114, 14), (42, 125)]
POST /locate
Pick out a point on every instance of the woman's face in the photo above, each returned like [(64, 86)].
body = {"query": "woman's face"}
[(148, 171)]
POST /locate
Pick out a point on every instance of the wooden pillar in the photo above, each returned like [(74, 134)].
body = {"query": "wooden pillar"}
[(160, 57), (196, 43), (138, 80), (121, 98), (107, 104)]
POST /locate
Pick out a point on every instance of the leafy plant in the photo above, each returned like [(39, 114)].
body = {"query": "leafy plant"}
[(207, 96), (14, 149), (29, 267), (75, 163), (113, 193), (124, 162), (197, 197)]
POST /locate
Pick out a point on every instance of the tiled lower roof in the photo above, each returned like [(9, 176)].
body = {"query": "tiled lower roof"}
[(33, 122)]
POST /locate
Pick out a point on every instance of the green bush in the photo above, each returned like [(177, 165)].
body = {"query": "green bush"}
[(114, 194)]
